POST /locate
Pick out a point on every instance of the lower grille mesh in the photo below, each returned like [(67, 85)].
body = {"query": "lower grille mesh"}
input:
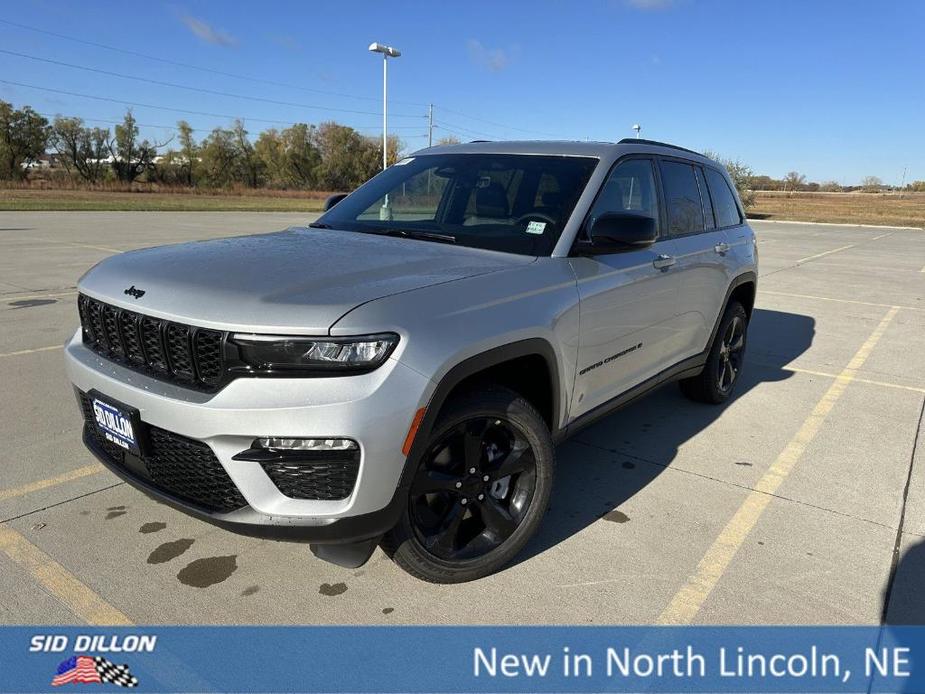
[(180, 467)]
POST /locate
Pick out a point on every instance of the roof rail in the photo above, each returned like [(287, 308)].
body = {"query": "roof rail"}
[(472, 142), (640, 141)]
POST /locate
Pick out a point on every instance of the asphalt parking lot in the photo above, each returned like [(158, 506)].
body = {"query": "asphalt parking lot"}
[(795, 503)]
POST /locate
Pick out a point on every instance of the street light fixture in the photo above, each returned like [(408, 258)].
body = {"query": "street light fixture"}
[(637, 128), (387, 52)]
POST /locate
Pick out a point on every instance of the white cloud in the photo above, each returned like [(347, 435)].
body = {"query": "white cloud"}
[(494, 59), (208, 33)]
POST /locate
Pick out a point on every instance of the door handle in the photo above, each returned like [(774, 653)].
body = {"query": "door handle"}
[(721, 248), (663, 262)]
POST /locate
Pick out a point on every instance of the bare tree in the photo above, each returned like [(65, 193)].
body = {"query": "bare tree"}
[(794, 180), (871, 184)]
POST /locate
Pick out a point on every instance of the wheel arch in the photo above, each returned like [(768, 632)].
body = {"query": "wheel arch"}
[(508, 365)]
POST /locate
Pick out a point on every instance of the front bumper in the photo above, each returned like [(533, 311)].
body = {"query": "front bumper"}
[(374, 409)]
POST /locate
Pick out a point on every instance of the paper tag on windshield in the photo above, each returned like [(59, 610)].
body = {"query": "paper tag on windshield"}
[(406, 160), (536, 227)]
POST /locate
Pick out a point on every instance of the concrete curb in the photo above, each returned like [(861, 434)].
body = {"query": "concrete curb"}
[(833, 224)]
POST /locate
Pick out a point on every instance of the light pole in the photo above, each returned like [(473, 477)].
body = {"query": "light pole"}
[(385, 213), (387, 52)]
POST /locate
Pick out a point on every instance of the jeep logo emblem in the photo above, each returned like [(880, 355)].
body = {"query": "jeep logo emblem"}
[(137, 293)]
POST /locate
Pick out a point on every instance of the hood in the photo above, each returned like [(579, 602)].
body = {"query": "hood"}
[(298, 281)]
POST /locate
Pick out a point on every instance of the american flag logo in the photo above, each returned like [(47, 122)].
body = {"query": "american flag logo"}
[(85, 669)]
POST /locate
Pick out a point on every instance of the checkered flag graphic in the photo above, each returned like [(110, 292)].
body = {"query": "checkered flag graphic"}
[(115, 674)]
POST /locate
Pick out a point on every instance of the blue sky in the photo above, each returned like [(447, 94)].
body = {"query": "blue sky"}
[(835, 90)]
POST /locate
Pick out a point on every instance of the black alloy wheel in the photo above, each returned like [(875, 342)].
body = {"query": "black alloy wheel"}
[(731, 353), (473, 488)]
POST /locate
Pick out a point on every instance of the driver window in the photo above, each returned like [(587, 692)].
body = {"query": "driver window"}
[(630, 188)]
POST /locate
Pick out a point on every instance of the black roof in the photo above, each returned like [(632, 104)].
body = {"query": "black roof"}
[(640, 141)]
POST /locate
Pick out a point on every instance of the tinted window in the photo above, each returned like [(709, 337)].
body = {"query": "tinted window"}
[(504, 202), (630, 188), (682, 197), (705, 199), (724, 202)]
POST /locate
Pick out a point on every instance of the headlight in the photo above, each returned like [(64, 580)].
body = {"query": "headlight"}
[(275, 353)]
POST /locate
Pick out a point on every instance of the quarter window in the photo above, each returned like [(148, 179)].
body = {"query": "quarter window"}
[(682, 197), (705, 199), (724, 202)]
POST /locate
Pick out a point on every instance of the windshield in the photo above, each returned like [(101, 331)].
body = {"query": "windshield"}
[(503, 202)]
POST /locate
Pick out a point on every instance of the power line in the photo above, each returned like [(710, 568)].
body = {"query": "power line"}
[(191, 66), (198, 90), (495, 123), (476, 133), (174, 127)]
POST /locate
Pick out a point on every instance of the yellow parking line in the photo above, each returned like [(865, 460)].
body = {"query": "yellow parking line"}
[(51, 482), (31, 351), (820, 255), (59, 582), (690, 598), (842, 301)]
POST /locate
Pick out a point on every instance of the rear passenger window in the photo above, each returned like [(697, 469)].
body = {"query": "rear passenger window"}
[(682, 197), (724, 202), (705, 199)]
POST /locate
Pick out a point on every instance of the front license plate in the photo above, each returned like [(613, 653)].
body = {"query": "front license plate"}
[(117, 424)]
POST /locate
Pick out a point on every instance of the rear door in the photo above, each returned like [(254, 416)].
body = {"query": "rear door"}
[(701, 248), (628, 299)]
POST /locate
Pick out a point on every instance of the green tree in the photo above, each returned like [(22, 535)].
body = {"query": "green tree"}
[(291, 158), (347, 158), (189, 152), (84, 151), (249, 168), (131, 157), (23, 139), (218, 158)]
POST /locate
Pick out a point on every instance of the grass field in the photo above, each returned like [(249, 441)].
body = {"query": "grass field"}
[(850, 208), (116, 201)]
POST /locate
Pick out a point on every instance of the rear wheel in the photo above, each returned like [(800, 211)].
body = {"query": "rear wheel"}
[(724, 363), (478, 493)]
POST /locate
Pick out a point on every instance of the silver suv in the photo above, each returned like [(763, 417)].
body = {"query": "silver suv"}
[(399, 371)]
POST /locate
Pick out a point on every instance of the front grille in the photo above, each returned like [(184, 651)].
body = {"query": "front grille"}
[(323, 480), (170, 351), (180, 467)]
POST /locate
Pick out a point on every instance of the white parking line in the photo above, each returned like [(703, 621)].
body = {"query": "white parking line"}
[(820, 255), (31, 351), (843, 301)]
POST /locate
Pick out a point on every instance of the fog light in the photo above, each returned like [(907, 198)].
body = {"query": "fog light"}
[(282, 444)]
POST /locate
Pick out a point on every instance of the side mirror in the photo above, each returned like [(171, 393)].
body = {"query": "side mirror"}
[(333, 200), (615, 231)]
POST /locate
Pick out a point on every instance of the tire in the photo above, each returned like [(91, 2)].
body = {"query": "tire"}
[(511, 506), (713, 384)]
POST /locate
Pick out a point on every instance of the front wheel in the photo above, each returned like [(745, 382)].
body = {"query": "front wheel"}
[(479, 492), (724, 363)]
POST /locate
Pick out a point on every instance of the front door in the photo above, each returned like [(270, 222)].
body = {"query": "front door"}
[(628, 329)]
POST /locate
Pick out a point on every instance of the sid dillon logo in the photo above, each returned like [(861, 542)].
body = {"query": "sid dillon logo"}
[(84, 668), (137, 293)]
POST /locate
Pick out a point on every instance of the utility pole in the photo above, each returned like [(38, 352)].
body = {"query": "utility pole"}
[(430, 127)]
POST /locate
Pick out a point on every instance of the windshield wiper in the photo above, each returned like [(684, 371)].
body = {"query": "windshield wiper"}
[(418, 234)]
